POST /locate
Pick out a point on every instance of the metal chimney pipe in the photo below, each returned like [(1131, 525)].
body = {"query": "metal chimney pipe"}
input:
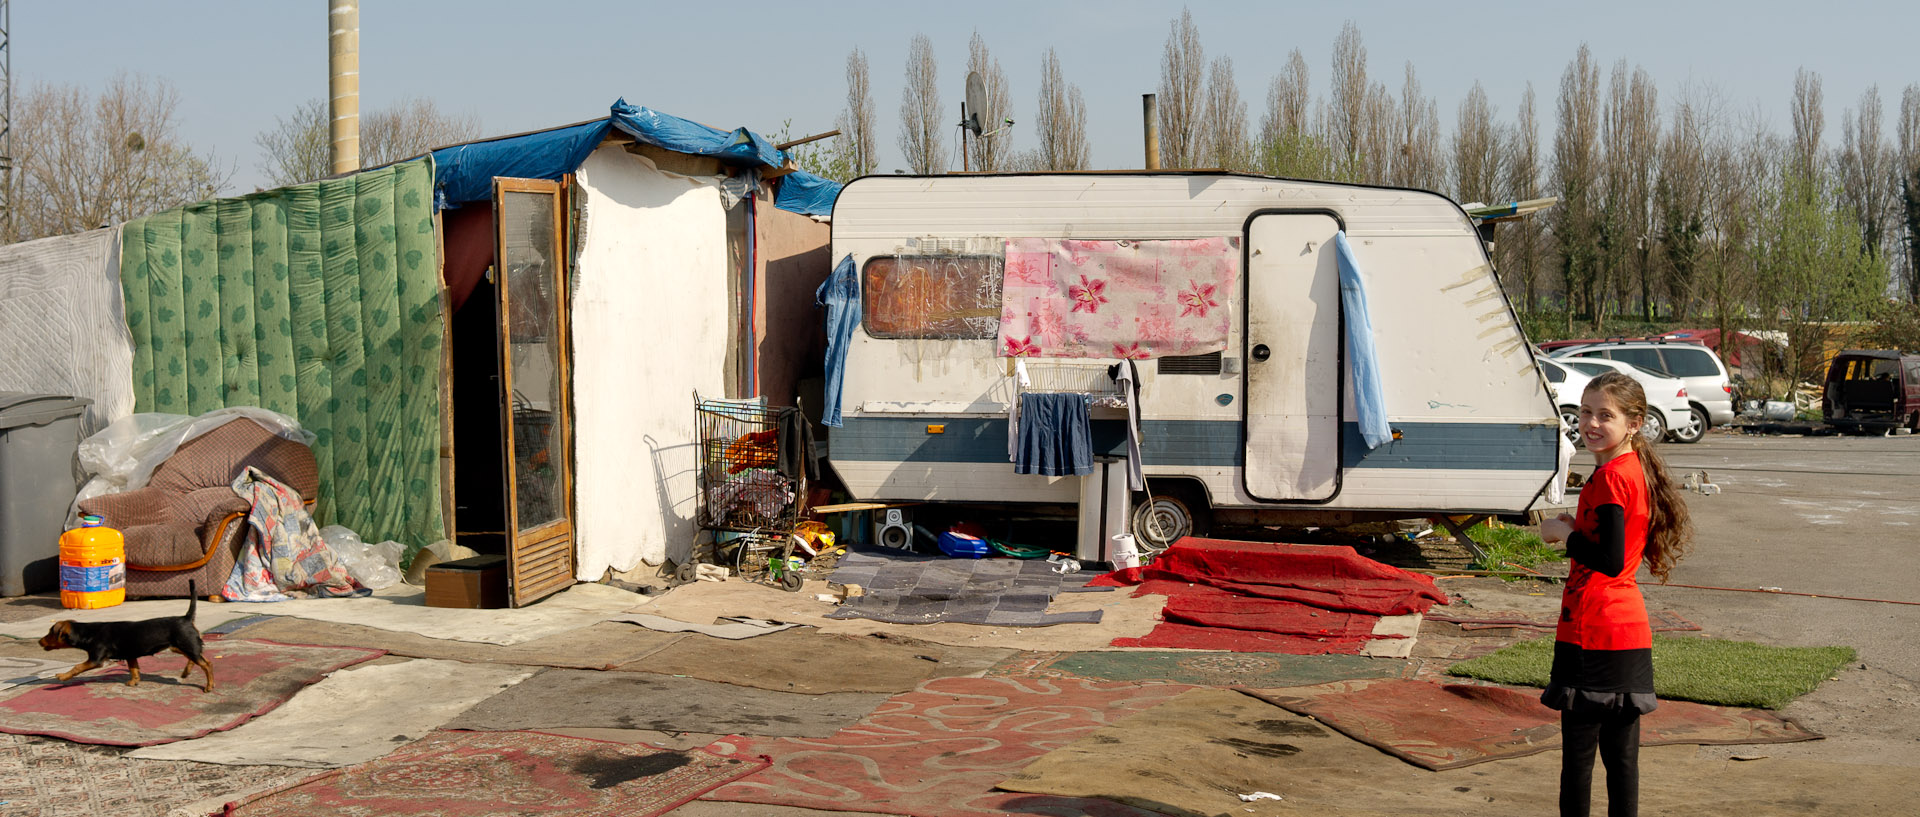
[(1150, 115), (343, 86)]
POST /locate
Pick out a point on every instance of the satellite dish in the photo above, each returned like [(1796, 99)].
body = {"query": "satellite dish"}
[(975, 104)]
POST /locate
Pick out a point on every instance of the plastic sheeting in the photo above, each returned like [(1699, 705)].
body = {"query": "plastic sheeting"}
[(809, 195), (740, 147), (62, 326), (465, 173), (1369, 395)]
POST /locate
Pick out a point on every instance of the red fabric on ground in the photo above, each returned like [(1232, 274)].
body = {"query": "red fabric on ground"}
[(1204, 606), (1331, 577), (1168, 635)]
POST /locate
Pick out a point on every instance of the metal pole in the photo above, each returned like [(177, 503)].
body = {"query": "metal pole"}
[(1149, 114), (343, 86)]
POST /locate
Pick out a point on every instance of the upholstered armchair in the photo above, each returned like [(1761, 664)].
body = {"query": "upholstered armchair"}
[(187, 523)]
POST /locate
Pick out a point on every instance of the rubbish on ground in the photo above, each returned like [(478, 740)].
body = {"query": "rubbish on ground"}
[(373, 566), (852, 591), (1064, 565), (710, 573), (1747, 757), (1699, 481), (826, 597), (1260, 795)]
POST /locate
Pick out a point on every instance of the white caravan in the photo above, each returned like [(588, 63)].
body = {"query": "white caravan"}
[(1263, 432)]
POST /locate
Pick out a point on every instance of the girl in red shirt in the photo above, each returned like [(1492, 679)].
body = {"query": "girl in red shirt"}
[(1630, 512)]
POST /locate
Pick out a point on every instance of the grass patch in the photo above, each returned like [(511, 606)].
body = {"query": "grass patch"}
[(1508, 546), (1707, 670)]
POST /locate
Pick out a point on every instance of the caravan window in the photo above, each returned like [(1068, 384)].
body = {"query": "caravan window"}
[(948, 297)]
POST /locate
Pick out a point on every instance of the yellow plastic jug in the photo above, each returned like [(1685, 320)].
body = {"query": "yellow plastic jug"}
[(93, 566)]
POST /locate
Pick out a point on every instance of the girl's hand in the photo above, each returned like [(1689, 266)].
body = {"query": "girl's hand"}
[(1556, 529)]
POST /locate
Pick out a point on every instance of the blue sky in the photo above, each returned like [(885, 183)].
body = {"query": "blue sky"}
[(527, 65)]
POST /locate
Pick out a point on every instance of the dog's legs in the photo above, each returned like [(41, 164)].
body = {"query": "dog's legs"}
[(133, 672), (77, 669), (205, 666), (190, 661)]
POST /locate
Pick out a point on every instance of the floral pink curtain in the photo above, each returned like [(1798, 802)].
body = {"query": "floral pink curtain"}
[(1117, 299)]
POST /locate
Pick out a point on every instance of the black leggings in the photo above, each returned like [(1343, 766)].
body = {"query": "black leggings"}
[(1617, 737)]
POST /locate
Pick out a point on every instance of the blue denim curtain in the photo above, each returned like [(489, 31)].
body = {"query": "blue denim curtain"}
[(840, 294)]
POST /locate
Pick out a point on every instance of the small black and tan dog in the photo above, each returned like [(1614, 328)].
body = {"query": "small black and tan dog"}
[(130, 641)]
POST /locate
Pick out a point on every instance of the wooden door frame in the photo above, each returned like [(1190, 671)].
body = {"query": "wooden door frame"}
[(561, 529)]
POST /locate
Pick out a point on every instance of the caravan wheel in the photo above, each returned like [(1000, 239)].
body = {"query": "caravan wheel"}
[(1162, 520)]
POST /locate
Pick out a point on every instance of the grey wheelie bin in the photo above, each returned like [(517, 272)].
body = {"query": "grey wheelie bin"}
[(39, 434)]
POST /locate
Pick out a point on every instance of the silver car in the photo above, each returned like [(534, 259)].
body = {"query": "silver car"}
[(1709, 387)]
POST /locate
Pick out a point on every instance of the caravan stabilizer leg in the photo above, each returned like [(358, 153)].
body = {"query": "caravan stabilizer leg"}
[(1459, 532)]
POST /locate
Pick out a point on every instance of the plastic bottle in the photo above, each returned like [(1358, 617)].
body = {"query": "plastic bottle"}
[(93, 566)]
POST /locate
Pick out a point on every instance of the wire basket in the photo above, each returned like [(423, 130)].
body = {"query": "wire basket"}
[(741, 487)]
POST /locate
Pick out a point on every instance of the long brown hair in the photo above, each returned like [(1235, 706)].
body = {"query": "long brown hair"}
[(1669, 526)]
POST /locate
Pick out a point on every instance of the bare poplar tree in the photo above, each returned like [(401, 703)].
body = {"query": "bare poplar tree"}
[(1808, 122), (1866, 171), (84, 160), (1348, 104), (1379, 136), (1062, 117), (1520, 249), (1476, 150), (992, 151), (1575, 173), (1223, 123), (923, 130), (1286, 145), (1908, 167), (1417, 160), (295, 150), (1643, 159), (1182, 84), (856, 123), (1680, 201)]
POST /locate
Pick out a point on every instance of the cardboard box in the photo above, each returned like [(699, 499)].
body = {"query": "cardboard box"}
[(477, 583)]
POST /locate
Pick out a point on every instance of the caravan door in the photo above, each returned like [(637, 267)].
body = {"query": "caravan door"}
[(532, 286), (1293, 354)]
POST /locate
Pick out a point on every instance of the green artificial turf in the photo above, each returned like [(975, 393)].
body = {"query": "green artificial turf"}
[(1707, 670)]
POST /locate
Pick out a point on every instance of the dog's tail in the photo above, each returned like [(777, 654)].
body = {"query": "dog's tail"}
[(193, 600)]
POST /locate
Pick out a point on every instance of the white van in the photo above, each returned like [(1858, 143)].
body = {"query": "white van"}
[(1263, 430)]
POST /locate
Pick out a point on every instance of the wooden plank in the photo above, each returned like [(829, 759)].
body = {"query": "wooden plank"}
[(857, 506)]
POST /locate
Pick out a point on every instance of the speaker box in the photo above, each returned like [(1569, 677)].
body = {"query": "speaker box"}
[(893, 527)]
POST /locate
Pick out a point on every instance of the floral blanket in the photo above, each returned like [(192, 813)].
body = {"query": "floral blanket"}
[(284, 557), (1117, 299)]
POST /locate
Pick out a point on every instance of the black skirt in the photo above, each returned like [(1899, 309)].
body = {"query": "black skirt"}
[(1600, 682)]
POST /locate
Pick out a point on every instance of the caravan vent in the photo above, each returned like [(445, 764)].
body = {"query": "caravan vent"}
[(1208, 363)]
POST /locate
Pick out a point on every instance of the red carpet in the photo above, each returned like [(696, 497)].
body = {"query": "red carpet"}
[(940, 750), (476, 774), (1331, 577), (1268, 597), (1446, 726), (250, 676)]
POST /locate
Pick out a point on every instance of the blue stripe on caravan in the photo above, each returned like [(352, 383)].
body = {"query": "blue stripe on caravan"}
[(1212, 443)]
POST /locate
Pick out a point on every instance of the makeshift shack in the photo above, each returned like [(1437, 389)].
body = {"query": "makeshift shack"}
[(499, 342)]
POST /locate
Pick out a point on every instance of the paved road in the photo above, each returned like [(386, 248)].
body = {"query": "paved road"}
[(1827, 515)]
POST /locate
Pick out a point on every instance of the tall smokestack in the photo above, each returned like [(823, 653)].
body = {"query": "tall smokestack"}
[(1150, 115), (343, 86)]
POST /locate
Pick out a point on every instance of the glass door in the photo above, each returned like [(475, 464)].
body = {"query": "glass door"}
[(531, 282)]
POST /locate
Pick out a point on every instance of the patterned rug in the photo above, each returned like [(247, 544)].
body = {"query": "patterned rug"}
[(903, 587), (1219, 669), (457, 774), (250, 677), (1446, 726), (939, 750), (44, 777)]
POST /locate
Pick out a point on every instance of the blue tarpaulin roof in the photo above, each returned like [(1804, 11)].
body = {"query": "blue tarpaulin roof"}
[(465, 173)]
